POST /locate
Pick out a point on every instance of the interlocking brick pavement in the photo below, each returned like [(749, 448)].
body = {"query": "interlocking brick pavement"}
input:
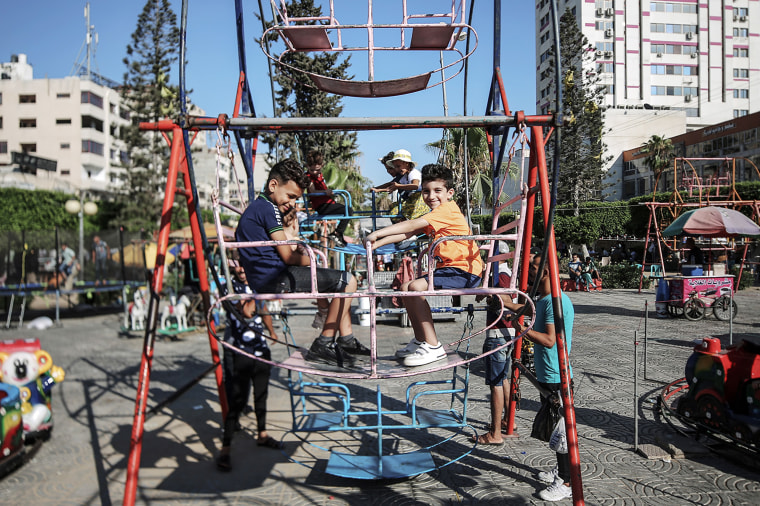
[(84, 462)]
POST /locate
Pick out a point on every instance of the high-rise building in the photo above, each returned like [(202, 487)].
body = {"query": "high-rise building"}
[(668, 67)]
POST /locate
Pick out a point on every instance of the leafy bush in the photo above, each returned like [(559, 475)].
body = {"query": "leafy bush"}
[(746, 280), (622, 276)]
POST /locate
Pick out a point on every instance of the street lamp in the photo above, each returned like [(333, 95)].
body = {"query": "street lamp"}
[(80, 208)]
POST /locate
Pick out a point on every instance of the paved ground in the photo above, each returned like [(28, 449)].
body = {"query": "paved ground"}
[(85, 460)]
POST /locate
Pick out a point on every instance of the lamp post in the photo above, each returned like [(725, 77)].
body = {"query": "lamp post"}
[(80, 208)]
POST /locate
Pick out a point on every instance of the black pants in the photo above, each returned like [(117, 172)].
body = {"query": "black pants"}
[(563, 459), (239, 373), (336, 209)]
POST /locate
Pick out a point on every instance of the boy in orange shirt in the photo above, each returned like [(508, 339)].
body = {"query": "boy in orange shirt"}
[(458, 262)]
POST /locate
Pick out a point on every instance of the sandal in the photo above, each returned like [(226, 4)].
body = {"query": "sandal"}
[(223, 462), (269, 442)]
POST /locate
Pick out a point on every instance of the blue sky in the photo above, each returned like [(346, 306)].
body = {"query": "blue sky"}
[(51, 33)]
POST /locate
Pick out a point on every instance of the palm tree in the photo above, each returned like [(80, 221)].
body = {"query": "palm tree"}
[(451, 153), (660, 151)]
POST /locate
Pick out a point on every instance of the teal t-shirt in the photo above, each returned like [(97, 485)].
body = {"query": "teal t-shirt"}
[(546, 359)]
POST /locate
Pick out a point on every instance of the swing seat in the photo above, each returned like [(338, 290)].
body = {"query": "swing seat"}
[(366, 89), (372, 467)]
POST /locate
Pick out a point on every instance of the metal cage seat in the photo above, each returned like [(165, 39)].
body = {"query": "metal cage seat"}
[(429, 32)]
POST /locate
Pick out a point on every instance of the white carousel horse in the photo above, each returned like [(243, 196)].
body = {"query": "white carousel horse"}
[(176, 309), (138, 311)]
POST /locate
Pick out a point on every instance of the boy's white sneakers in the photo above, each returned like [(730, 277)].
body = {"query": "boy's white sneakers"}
[(425, 354), (408, 349)]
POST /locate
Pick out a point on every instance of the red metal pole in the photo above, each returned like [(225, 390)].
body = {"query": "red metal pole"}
[(204, 285), (564, 361), (528, 231), (141, 401)]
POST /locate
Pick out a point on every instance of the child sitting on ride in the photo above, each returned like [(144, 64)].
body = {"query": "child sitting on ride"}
[(458, 262), (244, 331), (406, 179), (325, 204), (280, 269)]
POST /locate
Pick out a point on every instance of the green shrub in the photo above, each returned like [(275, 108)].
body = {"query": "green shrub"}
[(746, 280), (622, 276)]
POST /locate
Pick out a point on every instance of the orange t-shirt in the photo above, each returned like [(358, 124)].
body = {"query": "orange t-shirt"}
[(447, 220)]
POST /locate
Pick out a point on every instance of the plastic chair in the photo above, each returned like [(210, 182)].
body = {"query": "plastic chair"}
[(655, 271)]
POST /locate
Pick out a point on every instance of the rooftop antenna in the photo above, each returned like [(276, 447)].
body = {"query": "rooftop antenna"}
[(82, 67)]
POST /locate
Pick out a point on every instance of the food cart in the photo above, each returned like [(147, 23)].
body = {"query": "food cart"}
[(692, 296)]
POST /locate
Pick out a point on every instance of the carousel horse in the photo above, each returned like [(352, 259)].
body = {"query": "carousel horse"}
[(138, 311), (176, 309)]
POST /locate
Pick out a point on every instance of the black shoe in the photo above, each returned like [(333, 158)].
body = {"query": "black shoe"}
[(329, 353), (338, 239), (354, 347)]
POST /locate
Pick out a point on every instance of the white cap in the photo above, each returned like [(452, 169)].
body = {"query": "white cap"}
[(403, 155)]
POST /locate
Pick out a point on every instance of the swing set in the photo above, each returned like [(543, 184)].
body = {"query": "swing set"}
[(308, 382)]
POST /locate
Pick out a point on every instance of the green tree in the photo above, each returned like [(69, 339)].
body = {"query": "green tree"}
[(296, 96), (148, 97), (660, 156), (582, 149), (451, 150)]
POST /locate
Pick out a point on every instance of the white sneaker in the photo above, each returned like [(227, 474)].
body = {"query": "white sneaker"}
[(319, 320), (425, 354), (556, 491), (549, 476), (408, 349)]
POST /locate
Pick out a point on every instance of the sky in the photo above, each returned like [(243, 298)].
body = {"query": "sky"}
[(52, 32)]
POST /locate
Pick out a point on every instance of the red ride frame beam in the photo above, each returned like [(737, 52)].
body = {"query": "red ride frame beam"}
[(177, 164), (538, 174)]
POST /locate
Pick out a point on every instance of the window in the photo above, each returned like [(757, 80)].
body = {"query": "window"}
[(90, 98), (741, 32), (692, 112), (691, 90), (123, 113), (65, 172), (741, 73), (29, 148), (63, 121), (608, 89), (63, 95), (27, 123), (741, 93), (90, 122), (112, 108), (545, 56), (690, 71), (27, 99), (741, 52), (92, 147), (738, 113), (124, 157), (607, 67), (1, 122), (65, 145), (1, 99), (741, 11), (605, 46), (3, 147)]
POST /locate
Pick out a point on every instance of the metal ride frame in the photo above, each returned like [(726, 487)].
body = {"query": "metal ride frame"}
[(497, 121), (676, 205)]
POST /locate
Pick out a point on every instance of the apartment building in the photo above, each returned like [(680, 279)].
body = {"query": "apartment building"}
[(668, 67), (59, 134)]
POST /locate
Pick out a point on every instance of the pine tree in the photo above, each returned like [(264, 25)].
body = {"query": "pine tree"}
[(295, 98), (149, 97), (582, 148)]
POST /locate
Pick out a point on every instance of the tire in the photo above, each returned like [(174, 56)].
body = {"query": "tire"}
[(711, 411), (694, 309), (721, 308), (675, 311)]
